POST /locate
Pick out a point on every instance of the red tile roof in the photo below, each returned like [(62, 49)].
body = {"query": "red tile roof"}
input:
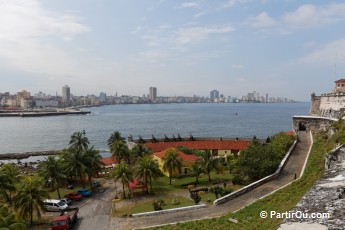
[(201, 145), (108, 161), (183, 156), (340, 81)]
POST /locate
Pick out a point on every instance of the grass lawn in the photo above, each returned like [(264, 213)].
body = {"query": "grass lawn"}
[(161, 186), (147, 206)]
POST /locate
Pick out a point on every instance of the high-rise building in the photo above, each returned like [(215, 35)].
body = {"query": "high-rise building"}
[(214, 94), (103, 97), (66, 95), (153, 93)]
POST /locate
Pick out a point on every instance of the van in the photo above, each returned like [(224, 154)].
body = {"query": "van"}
[(55, 205)]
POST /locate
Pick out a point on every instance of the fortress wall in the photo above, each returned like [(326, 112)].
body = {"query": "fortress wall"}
[(328, 105)]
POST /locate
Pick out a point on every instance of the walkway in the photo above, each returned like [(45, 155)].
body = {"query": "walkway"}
[(294, 165)]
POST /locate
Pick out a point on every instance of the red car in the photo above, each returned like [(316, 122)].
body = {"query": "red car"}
[(74, 196)]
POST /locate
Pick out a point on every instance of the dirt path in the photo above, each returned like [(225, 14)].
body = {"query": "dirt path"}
[(293, 166)]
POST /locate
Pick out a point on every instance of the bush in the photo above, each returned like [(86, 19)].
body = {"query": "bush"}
[(238, 179), (158, 205)]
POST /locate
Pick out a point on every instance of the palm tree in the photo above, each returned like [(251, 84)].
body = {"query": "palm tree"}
[(171, 162), (30, 198), (120, 151), (115, 136), (139, 150), (148, 169), (197, 170), (123, 172), (74, 163), (9, 220), (9, 175), (79, 141), (209, 163), (93, 163), (52, 174)]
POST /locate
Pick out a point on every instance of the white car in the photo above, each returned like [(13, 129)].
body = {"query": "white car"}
[(55, 205)]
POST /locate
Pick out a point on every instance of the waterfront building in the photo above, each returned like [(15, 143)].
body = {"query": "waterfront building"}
[(153, 93), (214, 94), (66, 95), (103, 97), (339, 86)]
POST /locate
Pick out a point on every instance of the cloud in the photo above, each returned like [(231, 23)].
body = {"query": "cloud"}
[(231, 4), (263, 20), (26, 29), (196, 34), (188, 5), (310, 15), (326, 53)]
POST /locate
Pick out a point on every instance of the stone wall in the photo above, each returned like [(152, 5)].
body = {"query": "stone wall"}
[(328, 105), (311, 123)]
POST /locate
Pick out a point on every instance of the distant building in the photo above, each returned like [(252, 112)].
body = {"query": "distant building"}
[(339, 86), (153, 93), (214, 94), (66, 95), (103, 97)]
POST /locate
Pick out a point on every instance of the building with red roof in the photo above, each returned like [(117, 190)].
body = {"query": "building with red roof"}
[(109, 162), (220, 147), (187, 161)]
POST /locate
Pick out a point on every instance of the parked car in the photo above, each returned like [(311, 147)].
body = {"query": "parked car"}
[(55, 205), (66, 221), (84, 192), (67, 201), (96, 183), (74, 196)]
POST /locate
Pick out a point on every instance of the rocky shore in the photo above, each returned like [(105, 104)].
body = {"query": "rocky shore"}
[(326, 196)]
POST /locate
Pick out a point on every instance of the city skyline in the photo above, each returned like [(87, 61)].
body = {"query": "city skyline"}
[(287, 48)]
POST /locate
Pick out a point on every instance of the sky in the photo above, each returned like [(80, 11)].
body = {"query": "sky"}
[(287, 48)]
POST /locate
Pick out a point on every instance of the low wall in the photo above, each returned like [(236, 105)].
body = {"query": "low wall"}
[(170, 210), (332, 156), (251, 186)]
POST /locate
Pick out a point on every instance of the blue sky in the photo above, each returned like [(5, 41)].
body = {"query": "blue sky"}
[(284, 48)]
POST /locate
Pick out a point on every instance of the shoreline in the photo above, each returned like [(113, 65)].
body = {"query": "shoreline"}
[(43, 114)]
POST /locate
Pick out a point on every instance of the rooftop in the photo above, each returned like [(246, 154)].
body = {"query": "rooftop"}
[(183, 156), (200, 145)]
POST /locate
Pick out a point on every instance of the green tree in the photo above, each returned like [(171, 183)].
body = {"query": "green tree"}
[(171, 162), (139, 150), (9, 175), (9, 220), (115, 136), (93, 163), (148, 169), (123, 172), (79, 141), (74, 163), (209, 163), (197, 169), (52, 173), (120, 151), (30, 198)]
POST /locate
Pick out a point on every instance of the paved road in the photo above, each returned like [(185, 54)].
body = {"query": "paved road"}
[(95, 212)]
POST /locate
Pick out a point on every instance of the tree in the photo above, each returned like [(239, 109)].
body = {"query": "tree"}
[(197, 170), (139, 150), (115, 136), (148, 169), (79, 141), (30, 198), (9, 175), (52, 174), (123, 172), (93, 163), (74, 163), (209, 163), (9, 220), (119, 151), (171, 162)]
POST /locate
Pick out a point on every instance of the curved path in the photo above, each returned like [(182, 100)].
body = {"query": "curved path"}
[(293, 166)]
